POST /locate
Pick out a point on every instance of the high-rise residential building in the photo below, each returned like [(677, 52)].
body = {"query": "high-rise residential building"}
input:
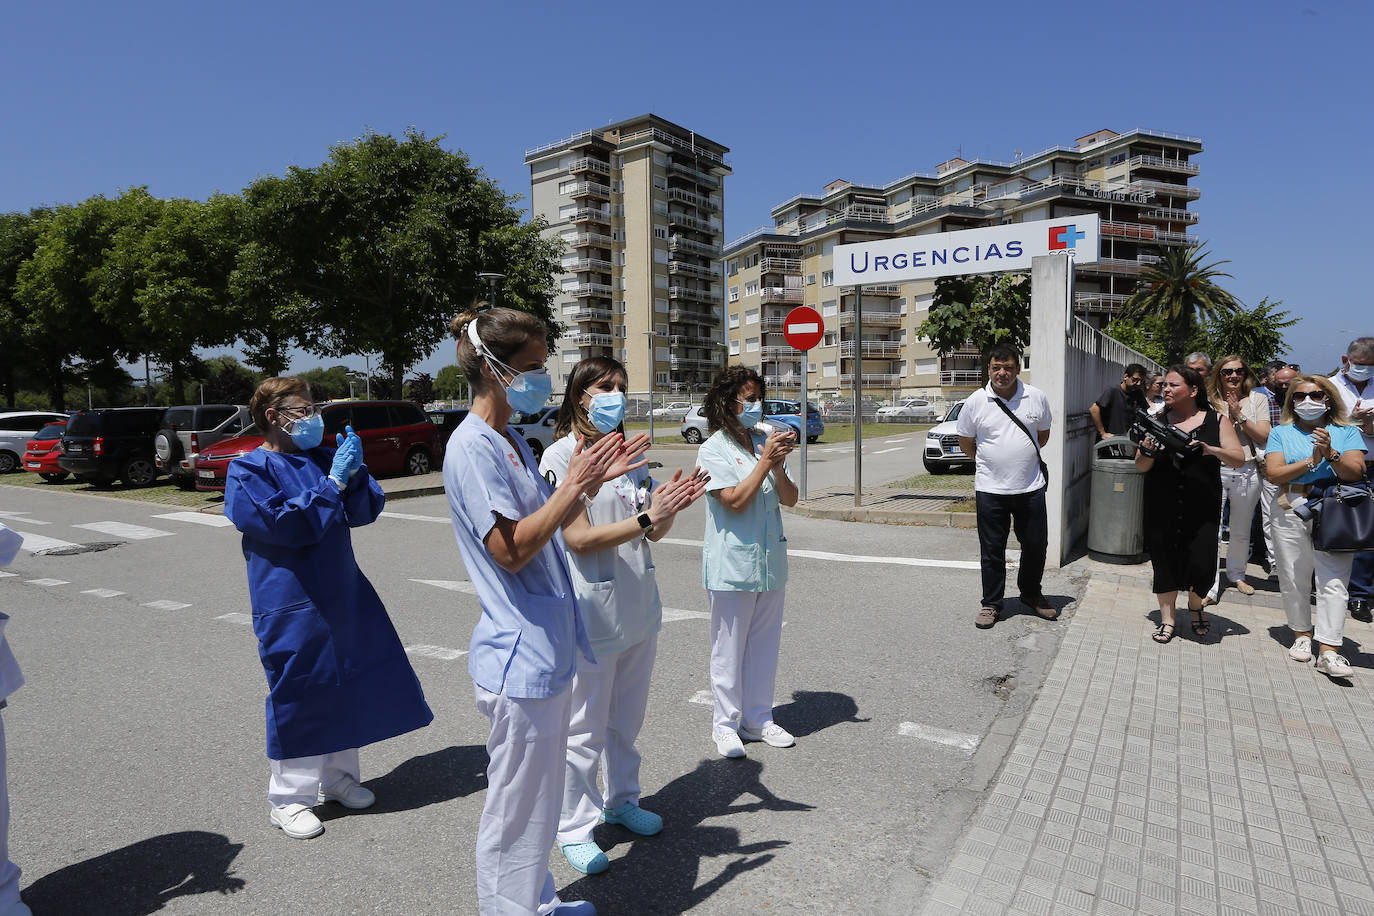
[(1136, 181), (639, 205)]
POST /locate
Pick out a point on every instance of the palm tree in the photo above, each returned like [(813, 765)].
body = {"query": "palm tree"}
[(1181, 290)]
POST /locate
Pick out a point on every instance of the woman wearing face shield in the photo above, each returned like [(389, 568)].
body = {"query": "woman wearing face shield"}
[(613, 574), (507, 520), (338, 677), (744, 560)]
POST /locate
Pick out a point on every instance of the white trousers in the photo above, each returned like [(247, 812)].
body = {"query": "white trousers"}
[(1297, 561), (527, 745), (9, 872), (1241, 487), (297, 780), (608, 703), (746, 636), (1269, 507)]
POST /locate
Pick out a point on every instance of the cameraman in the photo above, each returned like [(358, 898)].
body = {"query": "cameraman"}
[(1183, 499), (1114, 409)]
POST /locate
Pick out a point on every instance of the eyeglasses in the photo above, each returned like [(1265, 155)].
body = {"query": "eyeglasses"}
[(300, 412), (1294, 366), (1232, 371), (1315, 396)]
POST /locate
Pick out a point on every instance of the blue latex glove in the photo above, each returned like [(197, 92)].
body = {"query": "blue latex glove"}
[(349, 456)]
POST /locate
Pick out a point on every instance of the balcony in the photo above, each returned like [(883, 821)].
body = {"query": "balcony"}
[(790, 380), (590, 189), (584, 239), (865, 213), (600, 290), (1155, 162), (693, 270), (883, 289), (771, 324), (780, 266), (1167, 187), (588, 313), (696, 175), (588, 264), (692, 340), (587, 164), (686, 219), (783, 352), (695, 295), (594, 340), (1170, 215), (654, 135), (961, 377), (592, 215), (786, 294), (882, 379), (682, 243), (695, 200), (875, 349), (1140, 232), (1124, 266), (686, 362), (694, 315), (1100, 303), (873, 318)]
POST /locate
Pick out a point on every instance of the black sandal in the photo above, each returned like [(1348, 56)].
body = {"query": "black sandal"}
[(1201, 625), (1161, 636)]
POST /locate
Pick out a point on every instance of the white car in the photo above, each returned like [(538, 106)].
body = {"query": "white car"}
[(941, 452), (676, 410), (536, 428), (17, 427), (908, 410)]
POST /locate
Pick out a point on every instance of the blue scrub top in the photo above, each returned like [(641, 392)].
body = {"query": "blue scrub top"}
[(1296, 445), (526, 641), (744, 551)]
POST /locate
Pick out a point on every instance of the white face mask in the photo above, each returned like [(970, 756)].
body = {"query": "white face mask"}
[(1358, 372), (1308, 410)]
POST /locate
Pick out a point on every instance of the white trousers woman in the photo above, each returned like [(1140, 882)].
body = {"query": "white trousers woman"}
[(1297, 561), (746, 637), (1242, 488)]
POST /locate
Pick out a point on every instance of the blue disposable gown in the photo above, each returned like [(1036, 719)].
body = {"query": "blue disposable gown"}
[(337, 674)]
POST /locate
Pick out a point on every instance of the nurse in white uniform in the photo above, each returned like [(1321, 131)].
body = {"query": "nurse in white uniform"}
[(10, 681), (524, 648), (744, 560), (613, 574)]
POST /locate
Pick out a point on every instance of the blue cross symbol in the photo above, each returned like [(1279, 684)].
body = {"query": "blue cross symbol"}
[(1071, 235)]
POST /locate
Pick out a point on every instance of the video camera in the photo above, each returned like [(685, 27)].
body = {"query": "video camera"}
[(1171, 439)]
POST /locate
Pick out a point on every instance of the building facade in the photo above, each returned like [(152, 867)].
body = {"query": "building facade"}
[(639, 206), (1137, 182)]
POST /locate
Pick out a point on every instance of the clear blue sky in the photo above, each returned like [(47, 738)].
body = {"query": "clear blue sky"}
[(190, 99)]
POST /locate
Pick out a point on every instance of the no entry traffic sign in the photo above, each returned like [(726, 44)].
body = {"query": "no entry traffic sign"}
[(802, 327)]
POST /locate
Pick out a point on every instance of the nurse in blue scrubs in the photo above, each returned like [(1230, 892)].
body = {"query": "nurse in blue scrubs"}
[(507, 520), (338, 677)]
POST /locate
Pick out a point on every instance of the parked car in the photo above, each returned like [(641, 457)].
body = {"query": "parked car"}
[(397, 439), (41, 452), (789, 412), (694, 428), (536, 428), (942, 452), (188, 429), (445, 422), (675, 409), (841, 410), (17, 427), (112, 443), (908, 410)]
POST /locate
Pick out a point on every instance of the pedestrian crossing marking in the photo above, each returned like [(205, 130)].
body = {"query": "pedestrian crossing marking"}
[(6, 575), (452, 585), (36, 543), (438, 652), (671, 614), (166, 605), (102, 593), (125, 530), (236, 617), (48, 582), (417, 518), (198, 518), (23, 517), (939, 736)]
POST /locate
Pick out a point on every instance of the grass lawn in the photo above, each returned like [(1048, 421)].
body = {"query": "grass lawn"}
[(953, 481), (164, 491)]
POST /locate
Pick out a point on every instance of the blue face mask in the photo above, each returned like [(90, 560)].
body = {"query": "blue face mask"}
[(307, 432), (751, 414), (529, 391), (607, 410)]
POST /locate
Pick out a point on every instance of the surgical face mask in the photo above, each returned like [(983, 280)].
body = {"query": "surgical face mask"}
[(307, 432), (751, 414), (1358, 372), (1308, 410), (527, 391), (607, 410)]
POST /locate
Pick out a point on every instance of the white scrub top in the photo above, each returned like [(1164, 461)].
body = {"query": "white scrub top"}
[(745, 551), (616, 590), (525, 643)]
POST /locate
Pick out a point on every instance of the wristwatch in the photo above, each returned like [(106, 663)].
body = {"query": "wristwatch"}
[(646, 524)]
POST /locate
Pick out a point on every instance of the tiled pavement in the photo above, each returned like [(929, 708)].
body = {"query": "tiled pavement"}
[(1213, 777)]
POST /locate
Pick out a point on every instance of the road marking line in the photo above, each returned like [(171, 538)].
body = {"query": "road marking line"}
[(453, 585), (236, 617), (884, 451), (896, 441), (123, 530), (165, 605), (20, 517), (48, 582), (102, 593), (34, 543), (671, 614), (198, 518), (438, 652), (6, 575), (703, 698), (852, 557), (442, 519), (939, 736)]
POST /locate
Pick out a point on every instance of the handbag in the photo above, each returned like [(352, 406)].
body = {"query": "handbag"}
[(1343, 517)]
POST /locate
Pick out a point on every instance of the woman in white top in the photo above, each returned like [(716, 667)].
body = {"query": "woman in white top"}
[(1232, 390), (613, 577)]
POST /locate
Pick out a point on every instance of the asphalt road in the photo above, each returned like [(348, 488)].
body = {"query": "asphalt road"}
[(138, 779)]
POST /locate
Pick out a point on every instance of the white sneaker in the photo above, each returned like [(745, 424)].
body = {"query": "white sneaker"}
[(772, 734), (297, 821), (728, 743), (1301, 650), (348, 793), (1333, 665)]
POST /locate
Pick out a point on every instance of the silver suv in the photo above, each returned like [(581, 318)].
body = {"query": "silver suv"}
[(187, 430), (17, 427)]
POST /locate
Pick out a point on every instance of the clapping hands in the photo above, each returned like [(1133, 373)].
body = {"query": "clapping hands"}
[(607, 458), (348, 456), (676, 494)]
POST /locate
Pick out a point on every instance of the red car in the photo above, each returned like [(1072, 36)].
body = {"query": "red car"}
[(397, 439), (42, 451)]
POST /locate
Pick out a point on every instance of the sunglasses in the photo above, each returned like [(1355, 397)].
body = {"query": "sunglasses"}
[(1315, 396), (1232, 371)]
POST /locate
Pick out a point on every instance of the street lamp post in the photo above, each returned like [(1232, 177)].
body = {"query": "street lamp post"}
[(367, 357), (650, 379), (491, 277)]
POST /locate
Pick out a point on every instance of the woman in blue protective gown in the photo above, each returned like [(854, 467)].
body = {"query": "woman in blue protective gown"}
[(338, 677)]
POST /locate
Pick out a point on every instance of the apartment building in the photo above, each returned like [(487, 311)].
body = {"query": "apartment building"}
[(639, 205), (1137, 182)]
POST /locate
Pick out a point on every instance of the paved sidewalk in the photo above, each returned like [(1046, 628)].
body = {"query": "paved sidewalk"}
[(1194, 777)]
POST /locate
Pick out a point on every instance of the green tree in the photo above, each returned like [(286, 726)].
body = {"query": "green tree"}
[(451, 384), (420, 389), (18, 241), (226, 381), (978, 312), (329, 384), (1183, 291), (1253, 334)]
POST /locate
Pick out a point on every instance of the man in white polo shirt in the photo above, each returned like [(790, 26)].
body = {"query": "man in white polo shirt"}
[(996, 426), (1355, 382)]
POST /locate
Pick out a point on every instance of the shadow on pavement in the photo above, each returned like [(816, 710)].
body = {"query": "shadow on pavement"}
[(659, 874), (812, 710), (140, 878), (427, 779), (1218, 625)]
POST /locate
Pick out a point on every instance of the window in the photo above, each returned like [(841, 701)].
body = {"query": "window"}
[(900, 366), (661, 305), (660, 281), (751, 316), (810, 279), (810, 367), (661, 354), (571, 357), (569, 283), (660, 184), (831, 308), (923, 302), (828, 370), (734, 348), (567, 187), (732, 266), (734, 294), (811, 249), (566, 211), (660, 378), (926, 367), (828, 278), (752, 260), (751, 345), (751, 288), (619, 330), (660, 256), (660, 232), (829, 339), (734, 319)]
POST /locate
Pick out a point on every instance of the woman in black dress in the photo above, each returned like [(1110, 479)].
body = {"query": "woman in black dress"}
[(1183, 500)]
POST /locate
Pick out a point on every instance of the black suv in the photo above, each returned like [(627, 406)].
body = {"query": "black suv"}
[(187, 429), (109, 444)]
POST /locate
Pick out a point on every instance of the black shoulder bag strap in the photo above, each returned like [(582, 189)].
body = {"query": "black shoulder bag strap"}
[(1044, 468)]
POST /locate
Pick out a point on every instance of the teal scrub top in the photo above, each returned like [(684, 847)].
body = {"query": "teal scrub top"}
[(744, 551)]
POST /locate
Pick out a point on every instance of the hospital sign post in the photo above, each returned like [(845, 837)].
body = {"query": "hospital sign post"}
[(802, 329)]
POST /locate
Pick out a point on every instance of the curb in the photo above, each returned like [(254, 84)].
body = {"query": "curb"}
[(411, 492), (887, 516)]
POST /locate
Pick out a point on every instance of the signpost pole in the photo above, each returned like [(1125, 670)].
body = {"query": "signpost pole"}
[(803, 328), (857, 388), (805, 425)]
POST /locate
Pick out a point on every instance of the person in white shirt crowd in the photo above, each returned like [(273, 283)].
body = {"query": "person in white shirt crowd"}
[(508, 523), (1315, 441), (1003, 426), (1154, 393), (11, 679), (744, 559), (613, 576), (1200, 363), (1355, 382), (1232, 391)]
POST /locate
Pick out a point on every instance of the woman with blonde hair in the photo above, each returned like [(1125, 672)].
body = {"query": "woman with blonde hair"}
[(1314, 442), (1231, 388)]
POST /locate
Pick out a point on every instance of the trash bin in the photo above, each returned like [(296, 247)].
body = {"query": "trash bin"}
[(1116, 520)]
